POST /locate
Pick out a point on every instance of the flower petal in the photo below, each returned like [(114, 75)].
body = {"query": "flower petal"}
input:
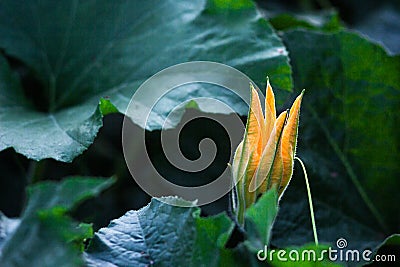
[(277, 166), (251, 149), (277, 170), (236, 162), (252, 142), (256, 121), (288, 143), (270, 112), (261, 180)]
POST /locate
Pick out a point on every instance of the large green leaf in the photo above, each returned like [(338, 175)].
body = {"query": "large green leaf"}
[(157, 234), (81, 51), (163, 235), (349, 139), (61, 135), (45, 235), (65, 194), (260, 218)]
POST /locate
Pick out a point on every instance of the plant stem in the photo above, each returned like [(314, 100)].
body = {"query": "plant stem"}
[(230, 203), (309, 201)]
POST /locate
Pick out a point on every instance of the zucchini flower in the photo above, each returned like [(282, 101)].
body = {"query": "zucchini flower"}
[(264, 159)]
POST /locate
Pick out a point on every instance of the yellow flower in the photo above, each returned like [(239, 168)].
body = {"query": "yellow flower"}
[(264, 158)]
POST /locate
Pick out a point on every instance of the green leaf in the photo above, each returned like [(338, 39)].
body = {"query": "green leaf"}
[(327, 21), (61, 135), (106, 107), (391, 240), (260, 218), (77, 58), (163, 235), (58, 225), (65, 194), (245, 257), (156, 234), (46, 236), (212, 235), (224, 5), (48, 239), (348, 138)]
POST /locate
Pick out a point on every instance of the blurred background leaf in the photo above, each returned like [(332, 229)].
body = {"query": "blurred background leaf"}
[(383, 26), (379, 20), (348, 138), (45, 235)]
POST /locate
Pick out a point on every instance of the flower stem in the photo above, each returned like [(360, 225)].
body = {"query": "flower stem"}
[(309, 201)]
